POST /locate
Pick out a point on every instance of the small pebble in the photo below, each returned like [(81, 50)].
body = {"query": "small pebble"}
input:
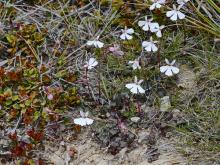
[(135, 119)]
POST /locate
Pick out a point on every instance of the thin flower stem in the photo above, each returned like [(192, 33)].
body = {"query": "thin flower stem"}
[(87, 82), (86, 72), (158, 56), (184, 32), (99, 82), (138, 107)]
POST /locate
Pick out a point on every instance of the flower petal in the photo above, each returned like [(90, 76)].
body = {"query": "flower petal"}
[(88, 121), (158, 5), (130, 31), (154, 27), (148, 48), (141, 23), (140, 81), (154, 48), (80, 121), (140, 89), (123, 36), (152, 7), (130, 86), (174, 17), (91, 61), (169, 72), (161, 1), (170, 13), (173, 62), (145, 27), (134, 89), (82, 114), (94, 63), (163, 69), (90, 43), (167, 61), (180, 15), (129, 37), (159, 34), (145, 43), (174, 69), (99, 44)]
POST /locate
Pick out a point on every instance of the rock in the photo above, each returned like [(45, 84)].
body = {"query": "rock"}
[(145, 108), (143, 136), (165, 103), (186, 78), (135, 119), (123, 144), (57, 160), (178, 117), (103, 162)]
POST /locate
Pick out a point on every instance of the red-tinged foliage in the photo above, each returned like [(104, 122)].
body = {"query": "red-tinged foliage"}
[(36, 162), (13, 136), (27, 119), (26, 162), (77, 128), (2, 98), (28, 147), (36, 135), (14, 75), (2, 72), (40, 162), (22, 93), (18, 151), (28, 116), (53, 117), (13, 113)]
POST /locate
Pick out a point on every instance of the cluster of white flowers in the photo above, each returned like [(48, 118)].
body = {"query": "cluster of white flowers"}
[(149, 46)]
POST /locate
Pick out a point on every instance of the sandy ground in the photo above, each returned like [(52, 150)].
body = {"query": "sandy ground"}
[(89, 152)]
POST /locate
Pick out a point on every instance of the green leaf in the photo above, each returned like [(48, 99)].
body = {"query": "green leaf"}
[(16, 106), (36, 115), (15, 97), (27, 102), (11, 39), (8, 102)]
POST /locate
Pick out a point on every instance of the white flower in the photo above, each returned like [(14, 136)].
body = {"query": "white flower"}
[(175, 13), (158, 29), (135, 64), (169, 69), (154, 26), (83, 120), (135, 87), (150, 45), (126, 33), (182, 2), (157, 4), (146, 24), (96, 43), (91, 63)]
